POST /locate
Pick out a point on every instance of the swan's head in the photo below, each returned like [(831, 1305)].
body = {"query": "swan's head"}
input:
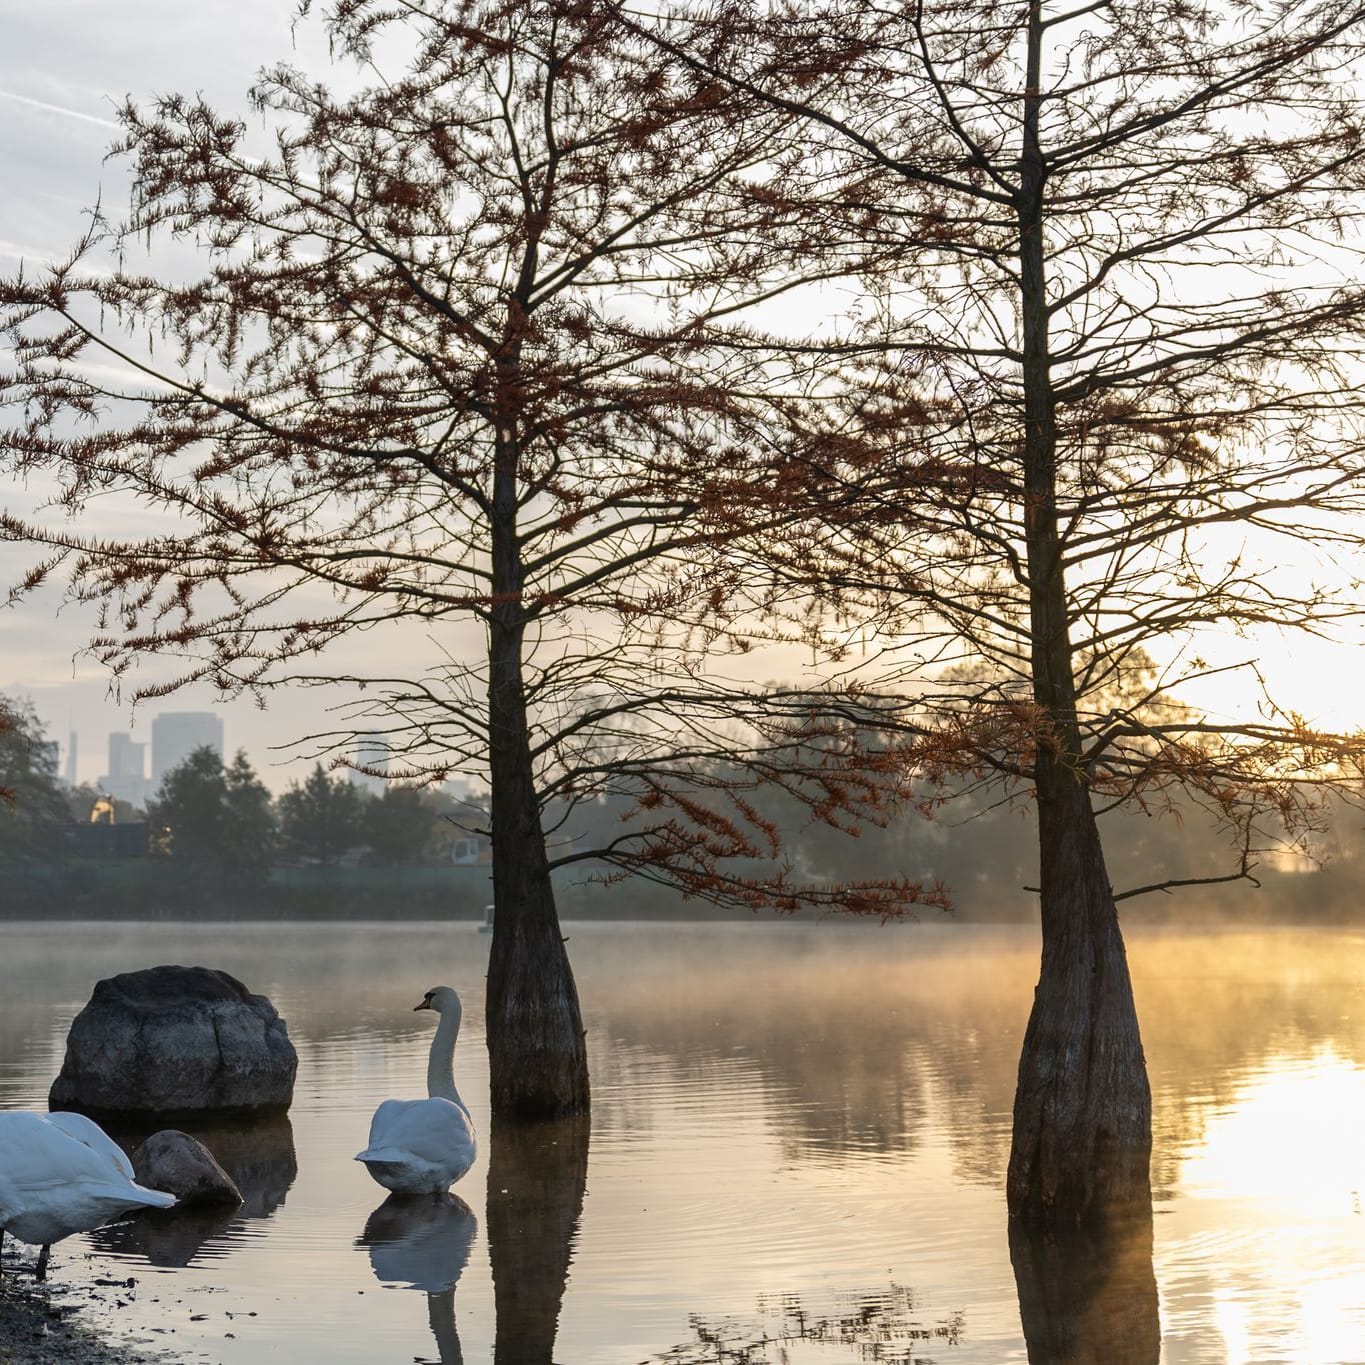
[(442, 999)]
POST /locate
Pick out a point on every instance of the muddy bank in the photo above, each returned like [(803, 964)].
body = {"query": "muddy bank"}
[(45, 1323)]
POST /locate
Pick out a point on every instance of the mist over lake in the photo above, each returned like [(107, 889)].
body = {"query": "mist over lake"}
[(796, 1150)]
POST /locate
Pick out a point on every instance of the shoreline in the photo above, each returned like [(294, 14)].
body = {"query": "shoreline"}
[(53, 1321)]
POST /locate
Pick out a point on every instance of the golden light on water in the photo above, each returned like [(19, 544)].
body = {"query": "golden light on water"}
[(1278, 1166), (1293, 1134)]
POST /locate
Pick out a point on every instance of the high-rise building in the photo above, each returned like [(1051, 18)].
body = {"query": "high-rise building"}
[(127, 775), (177, 734), (71, 749), (372, 752)]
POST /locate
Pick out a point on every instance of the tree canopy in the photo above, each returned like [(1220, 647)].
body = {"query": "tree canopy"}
[(321, 817), (216, 822), (449, 368), (1017, 339), (1108, 345), (32, 806)]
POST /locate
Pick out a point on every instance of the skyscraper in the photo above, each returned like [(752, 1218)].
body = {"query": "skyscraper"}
[(372, 752), (127, 775), (177, 734)]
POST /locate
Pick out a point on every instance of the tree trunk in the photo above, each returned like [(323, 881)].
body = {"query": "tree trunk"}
[(537, 1057), (1082, 1110)]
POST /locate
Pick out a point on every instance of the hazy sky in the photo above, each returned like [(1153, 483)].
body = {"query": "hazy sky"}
[(64, 67)]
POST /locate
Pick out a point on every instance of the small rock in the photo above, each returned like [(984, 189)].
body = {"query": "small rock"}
[(174, 1161)]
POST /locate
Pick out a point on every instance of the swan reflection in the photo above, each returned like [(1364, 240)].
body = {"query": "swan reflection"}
[(423, 1242), (420, 1241)]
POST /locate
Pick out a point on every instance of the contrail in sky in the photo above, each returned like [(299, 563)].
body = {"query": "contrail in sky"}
[(57, 109)]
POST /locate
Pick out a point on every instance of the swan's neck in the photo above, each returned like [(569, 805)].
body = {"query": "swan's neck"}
[(441, 1062)]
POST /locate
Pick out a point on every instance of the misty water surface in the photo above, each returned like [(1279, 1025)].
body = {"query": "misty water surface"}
[(796, 1154)]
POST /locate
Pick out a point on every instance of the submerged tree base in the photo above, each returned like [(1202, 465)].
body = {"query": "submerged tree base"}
[(1082, 1139), (537, 1052), (1082, 1142), (1088, 1296)]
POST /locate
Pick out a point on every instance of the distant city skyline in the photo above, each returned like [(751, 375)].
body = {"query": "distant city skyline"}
[(65, 68), (131, 769), (130, 760), (126, 775)]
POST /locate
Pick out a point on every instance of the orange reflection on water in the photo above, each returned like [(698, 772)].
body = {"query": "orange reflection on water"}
[(1271, 1204), (1292, 1133)]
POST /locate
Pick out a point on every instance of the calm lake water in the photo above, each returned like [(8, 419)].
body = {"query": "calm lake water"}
[(796, 1155)]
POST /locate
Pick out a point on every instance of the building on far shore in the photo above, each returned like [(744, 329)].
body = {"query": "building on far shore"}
[(177, 734), (371, 752), (127, 775)]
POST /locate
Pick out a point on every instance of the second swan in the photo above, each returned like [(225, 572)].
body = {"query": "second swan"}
[(424, 1146)]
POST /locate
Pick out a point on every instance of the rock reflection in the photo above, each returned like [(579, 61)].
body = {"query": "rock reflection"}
[(536, 1178), (259, 1156), (882, 1324), (1088, 1296), (423, 1242), (168, 1238)]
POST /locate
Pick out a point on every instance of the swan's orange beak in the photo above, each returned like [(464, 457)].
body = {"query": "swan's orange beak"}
[(425, 1005)]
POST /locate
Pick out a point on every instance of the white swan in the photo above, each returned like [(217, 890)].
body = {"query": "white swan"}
[(424, 1146), (62, 1173)]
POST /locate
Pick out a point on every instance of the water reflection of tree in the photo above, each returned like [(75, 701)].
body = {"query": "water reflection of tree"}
[(857, 1039), (849, 1039), (1088, 1296), (879, 1325), (536, 1179)]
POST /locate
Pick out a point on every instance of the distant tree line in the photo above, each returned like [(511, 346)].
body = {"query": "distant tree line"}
[(217, 822), (220, 819), (218, 829)]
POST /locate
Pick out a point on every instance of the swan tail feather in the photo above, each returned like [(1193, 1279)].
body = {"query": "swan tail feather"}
[(155, 1199), (384, 1155), (132, 1195)]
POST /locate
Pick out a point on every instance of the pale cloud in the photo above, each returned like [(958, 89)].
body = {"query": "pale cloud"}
[(18, 251)]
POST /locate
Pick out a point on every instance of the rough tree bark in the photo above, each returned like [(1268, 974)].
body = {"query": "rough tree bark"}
[(1083, 1108), (538, 1061)]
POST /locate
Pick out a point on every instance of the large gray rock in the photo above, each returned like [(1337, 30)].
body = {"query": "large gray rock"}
[(175, 1041), (181, 1165)]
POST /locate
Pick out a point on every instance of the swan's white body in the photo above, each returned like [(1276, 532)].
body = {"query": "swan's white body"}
[(62, 1173), (424, 1146)]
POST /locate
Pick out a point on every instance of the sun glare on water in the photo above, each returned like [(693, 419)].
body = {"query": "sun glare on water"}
[(1288, 1146), (1293, 1134)]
